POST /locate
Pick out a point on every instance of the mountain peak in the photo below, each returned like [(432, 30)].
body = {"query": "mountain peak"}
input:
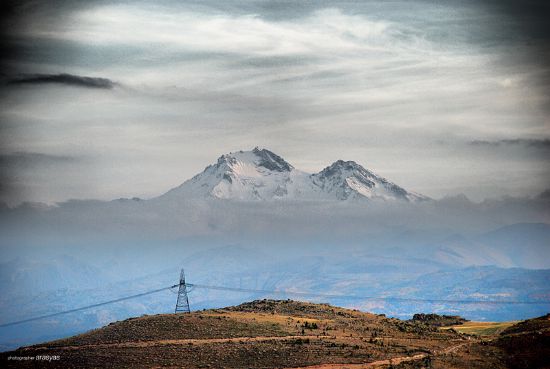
[(260, 174), (344, 165), (347, 179), (347, 169), (271, 161), (256, 158)]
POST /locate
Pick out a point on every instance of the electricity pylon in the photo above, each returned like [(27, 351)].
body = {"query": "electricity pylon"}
[(182, 305)]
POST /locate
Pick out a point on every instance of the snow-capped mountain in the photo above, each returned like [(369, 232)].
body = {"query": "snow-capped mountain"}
[(263, 175), (347, 179)]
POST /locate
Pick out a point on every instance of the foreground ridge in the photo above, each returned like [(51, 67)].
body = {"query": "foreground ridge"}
[(290, 334)]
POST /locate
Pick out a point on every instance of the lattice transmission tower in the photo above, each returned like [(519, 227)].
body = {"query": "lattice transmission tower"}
[(182, 305)]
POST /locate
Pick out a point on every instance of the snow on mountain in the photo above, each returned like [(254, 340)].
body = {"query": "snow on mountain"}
[(263, 175), (245, 175), (347, 179)]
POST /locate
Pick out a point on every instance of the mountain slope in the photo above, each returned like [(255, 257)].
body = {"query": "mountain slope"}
[(347, 179), (260, 174), (245, 175)]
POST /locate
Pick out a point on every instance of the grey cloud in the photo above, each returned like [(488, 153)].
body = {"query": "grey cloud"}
[(65, 79), (26, 159), (272, 62), (525, 142), (21, 173)]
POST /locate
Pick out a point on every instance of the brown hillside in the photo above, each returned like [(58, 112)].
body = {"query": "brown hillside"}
[(527, 344), (524, 345), (259, 334)]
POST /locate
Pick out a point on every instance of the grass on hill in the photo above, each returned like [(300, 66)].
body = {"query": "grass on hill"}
[(482, 328)]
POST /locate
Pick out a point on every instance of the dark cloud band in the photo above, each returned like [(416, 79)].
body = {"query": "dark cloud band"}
[(534, 143), (65, 79), (25, 159)]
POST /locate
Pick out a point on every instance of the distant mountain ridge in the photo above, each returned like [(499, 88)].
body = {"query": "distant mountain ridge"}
[(260, 174)]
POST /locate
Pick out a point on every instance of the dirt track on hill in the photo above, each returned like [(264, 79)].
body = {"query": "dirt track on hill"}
[(392, 361)]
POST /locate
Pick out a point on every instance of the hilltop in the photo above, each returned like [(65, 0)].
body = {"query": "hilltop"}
[(280, 334)]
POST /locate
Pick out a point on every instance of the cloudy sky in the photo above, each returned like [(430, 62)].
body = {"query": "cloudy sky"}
[(103, 100)]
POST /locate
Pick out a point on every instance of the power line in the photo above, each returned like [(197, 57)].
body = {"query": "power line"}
[(86, 307), (376, 298), (279, 292)]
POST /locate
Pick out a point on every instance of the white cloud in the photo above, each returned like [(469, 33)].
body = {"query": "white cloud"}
[(326, 30)]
